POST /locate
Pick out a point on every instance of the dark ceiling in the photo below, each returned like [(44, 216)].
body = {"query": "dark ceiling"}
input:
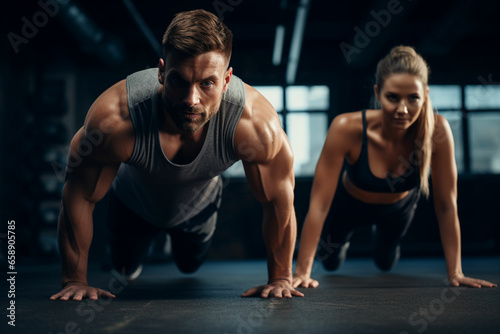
[(460, 39)]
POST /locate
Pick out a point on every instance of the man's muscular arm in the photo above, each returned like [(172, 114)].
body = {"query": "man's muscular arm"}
[(97, 150), (268, 161)]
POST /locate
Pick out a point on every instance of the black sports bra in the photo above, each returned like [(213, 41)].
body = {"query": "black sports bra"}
[(361, 176)]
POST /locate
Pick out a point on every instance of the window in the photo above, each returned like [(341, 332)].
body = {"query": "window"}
[(477, 142), (306, 123), (483, 105), (482, 97), (305, 98), (307, 133), (273, 94), (446, 96), (485, 142)]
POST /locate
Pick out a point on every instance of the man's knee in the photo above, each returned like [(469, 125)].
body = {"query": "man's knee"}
[(188, 267), (189, 255)]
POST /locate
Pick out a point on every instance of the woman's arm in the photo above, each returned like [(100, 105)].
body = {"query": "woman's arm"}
[(324, 185), (444, 182)]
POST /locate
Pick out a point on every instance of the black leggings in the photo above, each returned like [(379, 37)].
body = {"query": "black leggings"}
[(348, 213), (130, 237)]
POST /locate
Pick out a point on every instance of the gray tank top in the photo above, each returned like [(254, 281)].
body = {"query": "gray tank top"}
[(164, 193)]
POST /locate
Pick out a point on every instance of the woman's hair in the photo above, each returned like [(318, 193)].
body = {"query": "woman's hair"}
[(404, 59), (196, 32)]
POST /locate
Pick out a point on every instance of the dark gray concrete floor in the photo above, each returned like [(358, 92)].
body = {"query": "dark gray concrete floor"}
[(413, 298)]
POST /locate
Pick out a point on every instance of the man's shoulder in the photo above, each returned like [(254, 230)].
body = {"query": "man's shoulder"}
[(109, 114), (107, 127), (257, 107), (259, 126), (141, 86), (236, 93)]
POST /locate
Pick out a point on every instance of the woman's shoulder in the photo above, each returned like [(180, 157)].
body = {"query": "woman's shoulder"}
[(346, 132), (440, 120), (347, 119), (442, 130), (352, 122)]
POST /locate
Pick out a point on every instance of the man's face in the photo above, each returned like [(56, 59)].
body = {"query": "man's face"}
[(193, 87)]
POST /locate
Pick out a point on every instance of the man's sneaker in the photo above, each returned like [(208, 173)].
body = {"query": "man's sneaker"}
[(133, 275)]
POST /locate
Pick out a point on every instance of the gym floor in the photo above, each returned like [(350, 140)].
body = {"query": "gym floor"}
[(413, 298)]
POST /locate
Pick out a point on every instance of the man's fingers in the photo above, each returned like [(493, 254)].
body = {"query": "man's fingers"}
[(250, 292), (277, 293), (66, 296), (265, 292), (107, 294), (56, 296), (287, 293), (78, 295), (93, 295)]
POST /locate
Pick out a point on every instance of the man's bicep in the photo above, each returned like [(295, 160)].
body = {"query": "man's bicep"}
[(91, 182), (90, 170), (273, 179)]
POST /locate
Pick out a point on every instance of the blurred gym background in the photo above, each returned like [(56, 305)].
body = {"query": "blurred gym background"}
[(312, 59)]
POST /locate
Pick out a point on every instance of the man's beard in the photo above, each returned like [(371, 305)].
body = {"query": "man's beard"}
[(179, 113)]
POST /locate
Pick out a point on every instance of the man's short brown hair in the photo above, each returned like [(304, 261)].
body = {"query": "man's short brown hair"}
[(196, 32)]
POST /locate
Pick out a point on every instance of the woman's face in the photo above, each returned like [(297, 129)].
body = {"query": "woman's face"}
[(402, 97)]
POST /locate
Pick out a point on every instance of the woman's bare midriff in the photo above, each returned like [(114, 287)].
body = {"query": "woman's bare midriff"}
[(369, 196)]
